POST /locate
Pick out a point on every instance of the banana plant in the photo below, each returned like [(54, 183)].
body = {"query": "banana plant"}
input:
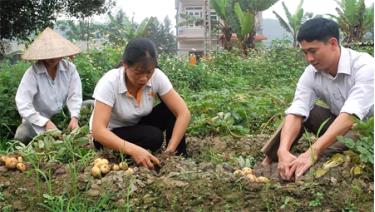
[(242, 19), (220, 8), (246, 25), (294, 21), (354, 19)]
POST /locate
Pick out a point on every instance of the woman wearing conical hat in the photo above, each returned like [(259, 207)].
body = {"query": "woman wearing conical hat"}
[(48, 85)]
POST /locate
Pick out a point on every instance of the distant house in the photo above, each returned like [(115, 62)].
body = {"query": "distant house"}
[(194, 30)]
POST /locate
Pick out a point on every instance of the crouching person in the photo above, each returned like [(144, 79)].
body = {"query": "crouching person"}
[(125, 118), (47, 86), (343, 79)]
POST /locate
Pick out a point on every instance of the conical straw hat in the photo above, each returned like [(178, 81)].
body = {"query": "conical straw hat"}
[(49, 44)]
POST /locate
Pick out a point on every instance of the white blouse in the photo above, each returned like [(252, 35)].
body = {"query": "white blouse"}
[(39, 97)]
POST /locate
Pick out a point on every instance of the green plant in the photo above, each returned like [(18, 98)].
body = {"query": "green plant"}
[(293, 21), (364, 144), (10, 77), (246, 161), (65, 202), (318, 197), (290, 203)]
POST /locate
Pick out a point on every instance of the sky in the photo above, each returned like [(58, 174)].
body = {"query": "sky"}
[(140, 9)]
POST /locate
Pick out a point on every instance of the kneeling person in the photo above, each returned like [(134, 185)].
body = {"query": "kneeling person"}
[(343, 79), (48, 85), (124, 118)]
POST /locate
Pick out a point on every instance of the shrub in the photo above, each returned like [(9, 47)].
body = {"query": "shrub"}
[(10, 77)]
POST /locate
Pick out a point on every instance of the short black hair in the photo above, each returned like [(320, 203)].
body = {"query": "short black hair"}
[(140, 51), (320, 29)]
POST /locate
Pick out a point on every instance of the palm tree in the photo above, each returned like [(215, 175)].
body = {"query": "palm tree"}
[(294, 21), (354, 19)]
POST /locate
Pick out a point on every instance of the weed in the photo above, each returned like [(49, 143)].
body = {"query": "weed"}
[(246, 162), (317, 201)]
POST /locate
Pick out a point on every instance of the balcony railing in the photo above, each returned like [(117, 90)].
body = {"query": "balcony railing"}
[(190, 32)]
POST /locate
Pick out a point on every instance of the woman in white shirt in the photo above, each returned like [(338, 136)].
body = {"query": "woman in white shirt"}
[(124, 118), (48, 85)]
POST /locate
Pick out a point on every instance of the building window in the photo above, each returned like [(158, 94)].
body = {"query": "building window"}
[(195, 15)]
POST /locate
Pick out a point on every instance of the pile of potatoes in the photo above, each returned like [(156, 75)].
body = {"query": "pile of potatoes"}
[(102, 167), (12, 162), (249, 174)]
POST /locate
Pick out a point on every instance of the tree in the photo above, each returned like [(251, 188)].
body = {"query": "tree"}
[(116, 28), (354, 19), (220, 8), (21, 18), (83, 29), (242, 19), (294, 21), (162, 35)]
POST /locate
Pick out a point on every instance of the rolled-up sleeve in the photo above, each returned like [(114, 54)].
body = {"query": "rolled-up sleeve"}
[(361, 95), (304, 96), (24, 100), (74, 100)]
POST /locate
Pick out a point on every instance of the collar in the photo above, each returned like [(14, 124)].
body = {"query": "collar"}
[(344, 63), (40, 68), (344, 66), (122, 82)]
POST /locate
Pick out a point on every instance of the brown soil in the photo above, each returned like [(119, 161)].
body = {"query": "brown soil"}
[(203, 182)]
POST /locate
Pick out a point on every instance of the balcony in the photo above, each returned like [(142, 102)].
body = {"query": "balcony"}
[(190, 32)]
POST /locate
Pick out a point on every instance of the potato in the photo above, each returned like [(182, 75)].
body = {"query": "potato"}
[(247, 170), (115, 167), (99, 161), (104, 168), (123, 166), (19, 158), (238, 172), (3, 158), (252, 178), (11, 163), (21, 167), (129, 171), (262, 179), (95, 171)]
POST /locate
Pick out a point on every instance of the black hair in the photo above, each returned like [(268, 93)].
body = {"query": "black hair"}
[(140, 51), (320, 29)]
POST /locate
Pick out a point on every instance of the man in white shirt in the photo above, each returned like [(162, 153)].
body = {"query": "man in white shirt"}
[(340, 77), (48, 85)]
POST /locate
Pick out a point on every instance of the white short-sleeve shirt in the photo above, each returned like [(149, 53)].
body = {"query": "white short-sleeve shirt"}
[(350, 91), (126, 109)]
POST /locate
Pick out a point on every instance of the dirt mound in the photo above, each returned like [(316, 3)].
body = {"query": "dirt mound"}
[(203, 182)]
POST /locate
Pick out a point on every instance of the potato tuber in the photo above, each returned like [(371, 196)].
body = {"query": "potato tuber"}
[(21, 167), (11, 162), (95, 171)]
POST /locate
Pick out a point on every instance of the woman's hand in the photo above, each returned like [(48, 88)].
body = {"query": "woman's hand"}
[(50, 125), (73, 124), (143, 158)]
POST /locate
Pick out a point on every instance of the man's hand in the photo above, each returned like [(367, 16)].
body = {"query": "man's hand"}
[(143, 158), (303, 163), (170, 151), (284, 166), (73, 124), (50, 125)]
